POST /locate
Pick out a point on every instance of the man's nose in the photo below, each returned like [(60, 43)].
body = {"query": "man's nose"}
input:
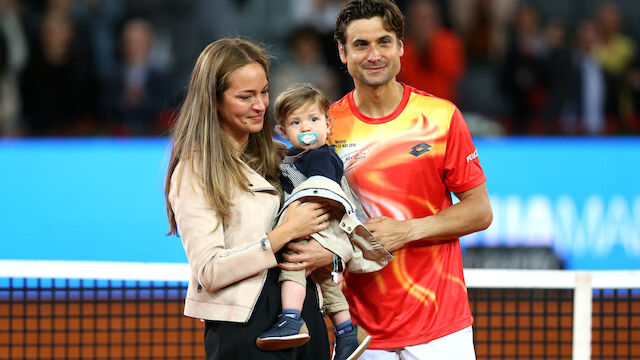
[(374, 54)]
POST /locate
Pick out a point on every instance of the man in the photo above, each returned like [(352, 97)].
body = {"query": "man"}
[(404, 152)]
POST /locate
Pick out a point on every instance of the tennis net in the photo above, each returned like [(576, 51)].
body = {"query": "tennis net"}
[(99, 310), (555, 314), (93, 310)]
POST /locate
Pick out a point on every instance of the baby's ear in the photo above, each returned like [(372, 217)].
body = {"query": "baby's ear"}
[(330, 120)]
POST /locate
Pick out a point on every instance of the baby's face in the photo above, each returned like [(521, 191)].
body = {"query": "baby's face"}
[(304, 124)]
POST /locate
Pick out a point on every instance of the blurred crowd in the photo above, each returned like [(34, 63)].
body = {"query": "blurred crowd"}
[(120, 67)]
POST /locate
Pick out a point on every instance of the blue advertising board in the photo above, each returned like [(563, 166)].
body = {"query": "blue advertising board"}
[(103, 199), (579, 196)]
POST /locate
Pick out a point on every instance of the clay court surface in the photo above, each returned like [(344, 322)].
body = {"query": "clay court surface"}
[(509, 324)]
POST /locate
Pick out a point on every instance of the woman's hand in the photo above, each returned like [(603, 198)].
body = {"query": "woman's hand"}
[(300, 220), (306, 218)]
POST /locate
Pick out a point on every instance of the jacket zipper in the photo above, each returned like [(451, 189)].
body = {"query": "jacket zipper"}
[(238, 250)]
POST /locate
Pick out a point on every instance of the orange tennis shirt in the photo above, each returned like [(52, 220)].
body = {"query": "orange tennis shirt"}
[(405, 166)]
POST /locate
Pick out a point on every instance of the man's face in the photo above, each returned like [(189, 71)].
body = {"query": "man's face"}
[(371, 53)]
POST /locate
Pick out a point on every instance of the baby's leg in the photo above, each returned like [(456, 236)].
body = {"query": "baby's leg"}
[(293, 295), (342, 317), (351, 340), (289, 329)]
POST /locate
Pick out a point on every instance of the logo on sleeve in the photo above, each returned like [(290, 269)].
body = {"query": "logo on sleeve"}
[(420, 149), (473, 155)]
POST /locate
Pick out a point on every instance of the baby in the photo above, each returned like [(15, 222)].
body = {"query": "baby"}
[(301, 112)]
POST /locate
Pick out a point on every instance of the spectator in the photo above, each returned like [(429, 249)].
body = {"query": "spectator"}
[(57, 84), (483, 24), (138, 90), (100, 18), (265, 21), (306, 64), (615, 53), (556, 75), (520, 76), (633, 79), (433, 57), (13, 57), (321, 15), (584, 110)]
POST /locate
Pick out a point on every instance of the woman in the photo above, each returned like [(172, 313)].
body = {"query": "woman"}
[(222, 198)]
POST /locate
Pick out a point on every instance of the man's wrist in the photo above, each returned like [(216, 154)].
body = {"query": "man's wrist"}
[(416, 230)]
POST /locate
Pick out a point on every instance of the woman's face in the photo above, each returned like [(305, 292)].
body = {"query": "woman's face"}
[(244, 103)]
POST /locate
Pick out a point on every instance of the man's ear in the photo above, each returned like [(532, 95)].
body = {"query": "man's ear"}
[(401, 48), (342, 52)]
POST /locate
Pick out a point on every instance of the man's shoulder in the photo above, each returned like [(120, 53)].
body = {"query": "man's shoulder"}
[(431, 106), (421, 96)]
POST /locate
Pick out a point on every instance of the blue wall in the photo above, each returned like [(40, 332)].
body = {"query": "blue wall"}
[(85, 200), (102, 199), (580, 196)]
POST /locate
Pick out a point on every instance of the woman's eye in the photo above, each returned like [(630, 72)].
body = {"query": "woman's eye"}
[(245, 97)]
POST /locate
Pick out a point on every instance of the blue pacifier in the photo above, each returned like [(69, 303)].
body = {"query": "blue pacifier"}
[(307, 138)]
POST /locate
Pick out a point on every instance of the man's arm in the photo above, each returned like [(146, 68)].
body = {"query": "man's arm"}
[(473, 213)]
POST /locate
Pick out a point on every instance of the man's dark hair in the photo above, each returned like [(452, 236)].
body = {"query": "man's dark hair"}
[(392, 18)]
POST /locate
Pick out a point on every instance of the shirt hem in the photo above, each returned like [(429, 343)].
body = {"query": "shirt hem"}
[(477, 181), (421, 339)]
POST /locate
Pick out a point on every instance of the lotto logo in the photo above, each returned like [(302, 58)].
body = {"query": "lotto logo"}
[(420, 149)]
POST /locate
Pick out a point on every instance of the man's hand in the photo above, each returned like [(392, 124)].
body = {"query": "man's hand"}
[(392, 234), (309, 256)]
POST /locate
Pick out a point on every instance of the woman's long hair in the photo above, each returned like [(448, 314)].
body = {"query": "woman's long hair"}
[(198, 139)]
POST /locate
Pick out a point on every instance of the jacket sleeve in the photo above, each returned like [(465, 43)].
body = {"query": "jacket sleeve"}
[(213, 264)]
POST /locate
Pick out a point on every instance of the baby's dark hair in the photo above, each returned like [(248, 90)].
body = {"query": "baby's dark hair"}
[(297, 96)]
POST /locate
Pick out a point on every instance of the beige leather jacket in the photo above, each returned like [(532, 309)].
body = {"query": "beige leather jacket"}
[(228, 265)]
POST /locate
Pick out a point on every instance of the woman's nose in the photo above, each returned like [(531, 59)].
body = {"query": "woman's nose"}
[(260, 103)]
